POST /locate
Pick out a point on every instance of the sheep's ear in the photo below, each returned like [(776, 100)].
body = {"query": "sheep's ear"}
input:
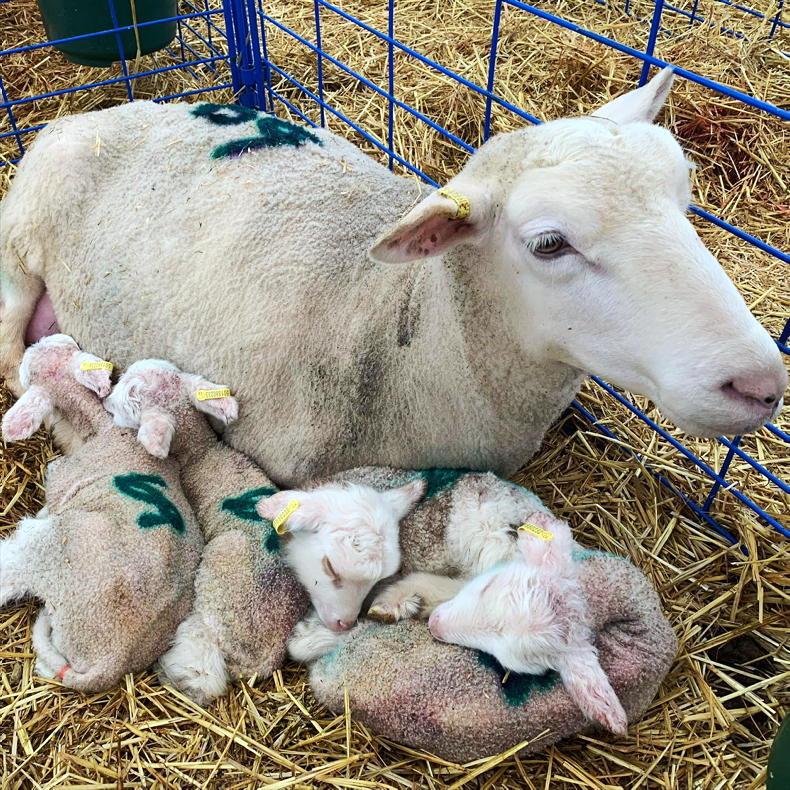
[(460, 212), (591, 690), (642, 104), (307, 516), (156, 431), (24, 418), (545, 540), (93, 373), (403, 499), (214, 400)]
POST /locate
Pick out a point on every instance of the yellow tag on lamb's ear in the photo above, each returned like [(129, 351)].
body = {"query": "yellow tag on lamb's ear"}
[(282, 517), (543, 534), (220, 392), (462, 205), (98, 365)]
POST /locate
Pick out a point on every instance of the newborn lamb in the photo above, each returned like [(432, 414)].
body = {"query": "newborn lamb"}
[(465, 524), (114, 553), (530, 614), (247, 598)]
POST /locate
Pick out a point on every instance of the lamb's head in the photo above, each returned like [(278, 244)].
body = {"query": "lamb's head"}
[(54, 373), (585, 251), (531, 615), (152, 396), (341, 540)]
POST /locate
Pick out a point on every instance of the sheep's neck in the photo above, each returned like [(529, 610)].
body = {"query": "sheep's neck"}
[(193, 438), (83, 410)]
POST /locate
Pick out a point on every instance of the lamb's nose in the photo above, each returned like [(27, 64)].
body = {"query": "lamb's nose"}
[(765, 387), (342, 625)]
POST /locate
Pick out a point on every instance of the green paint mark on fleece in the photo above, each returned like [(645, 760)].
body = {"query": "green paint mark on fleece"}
[(224, 114), (243, 508), (581, 555), (272, 133), (517, 689), (145, 488), (438, 480)]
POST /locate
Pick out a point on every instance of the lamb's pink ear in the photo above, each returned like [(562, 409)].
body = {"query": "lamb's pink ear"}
[(93, 372), (404, 498), (307, 516), (24, 418), (545, 540), (156, 431), (214, 400), (461, 212), (591, 690), (642, 104)]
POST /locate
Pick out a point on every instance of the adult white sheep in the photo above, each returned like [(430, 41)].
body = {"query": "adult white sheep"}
[(235, 243)]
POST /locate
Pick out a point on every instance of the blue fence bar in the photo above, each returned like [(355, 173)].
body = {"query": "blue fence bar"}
[(234, 35)]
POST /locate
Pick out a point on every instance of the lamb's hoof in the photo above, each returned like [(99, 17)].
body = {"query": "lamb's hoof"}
[(385, 610)]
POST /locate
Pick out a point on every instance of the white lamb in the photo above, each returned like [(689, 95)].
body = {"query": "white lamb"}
[(114, 553), (532, 616)]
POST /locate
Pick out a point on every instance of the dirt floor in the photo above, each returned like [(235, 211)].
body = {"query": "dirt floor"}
[(713, 720)]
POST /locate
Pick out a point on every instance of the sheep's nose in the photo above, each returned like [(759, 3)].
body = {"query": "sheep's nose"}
[(764, 387), (342, 625), (433, 625)]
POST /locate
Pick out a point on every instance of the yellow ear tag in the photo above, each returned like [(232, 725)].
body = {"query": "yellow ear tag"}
[(543, 534), (282, 517), (462, 205), (221, 392), (100, 365)]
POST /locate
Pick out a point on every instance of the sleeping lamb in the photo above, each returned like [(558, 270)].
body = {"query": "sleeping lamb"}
[(462, 704), (465, 524), (114, 553), (340, 540)]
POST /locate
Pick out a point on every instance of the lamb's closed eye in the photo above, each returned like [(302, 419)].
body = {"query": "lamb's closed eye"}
[(326, 564)]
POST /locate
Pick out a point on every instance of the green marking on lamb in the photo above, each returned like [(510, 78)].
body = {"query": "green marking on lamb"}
[(272, 133), (243, 508), (581, 555), (518, 688), (146, 488), (438, 480), (224, 114)]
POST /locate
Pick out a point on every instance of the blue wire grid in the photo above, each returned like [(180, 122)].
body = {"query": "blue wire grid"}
[(223, 45)]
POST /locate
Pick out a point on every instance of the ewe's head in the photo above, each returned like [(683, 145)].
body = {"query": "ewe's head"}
[(152, 395), (54, 372), (585, 252), (342, 539), (530, 614)]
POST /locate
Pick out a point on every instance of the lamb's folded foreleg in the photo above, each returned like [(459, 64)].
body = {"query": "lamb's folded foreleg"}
[(311, 639), (417, 594)]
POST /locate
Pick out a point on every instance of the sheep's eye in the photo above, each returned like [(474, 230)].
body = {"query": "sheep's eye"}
[(331, 572), (548, 245)]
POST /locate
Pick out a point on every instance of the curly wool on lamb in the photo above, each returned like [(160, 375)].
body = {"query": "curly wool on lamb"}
[(247, 600), (453, 702), (114, 552)]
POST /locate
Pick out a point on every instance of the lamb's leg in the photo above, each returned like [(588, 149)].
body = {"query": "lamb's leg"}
[(19, 294), (49, 661), (195, 664), (311, 639), (20, 557), (415, 594)]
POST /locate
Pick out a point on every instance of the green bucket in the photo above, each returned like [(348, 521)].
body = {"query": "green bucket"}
[(66, 18)]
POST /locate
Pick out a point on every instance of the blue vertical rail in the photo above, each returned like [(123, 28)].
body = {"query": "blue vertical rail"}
[(655, 27), (492, 53), (319, 61), (391, 82), (121, 52)]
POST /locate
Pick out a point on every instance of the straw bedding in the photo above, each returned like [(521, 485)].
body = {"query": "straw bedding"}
[(715, 715)]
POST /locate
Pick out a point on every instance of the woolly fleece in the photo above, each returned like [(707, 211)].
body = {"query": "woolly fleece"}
[(451, 701), (253, 270)]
